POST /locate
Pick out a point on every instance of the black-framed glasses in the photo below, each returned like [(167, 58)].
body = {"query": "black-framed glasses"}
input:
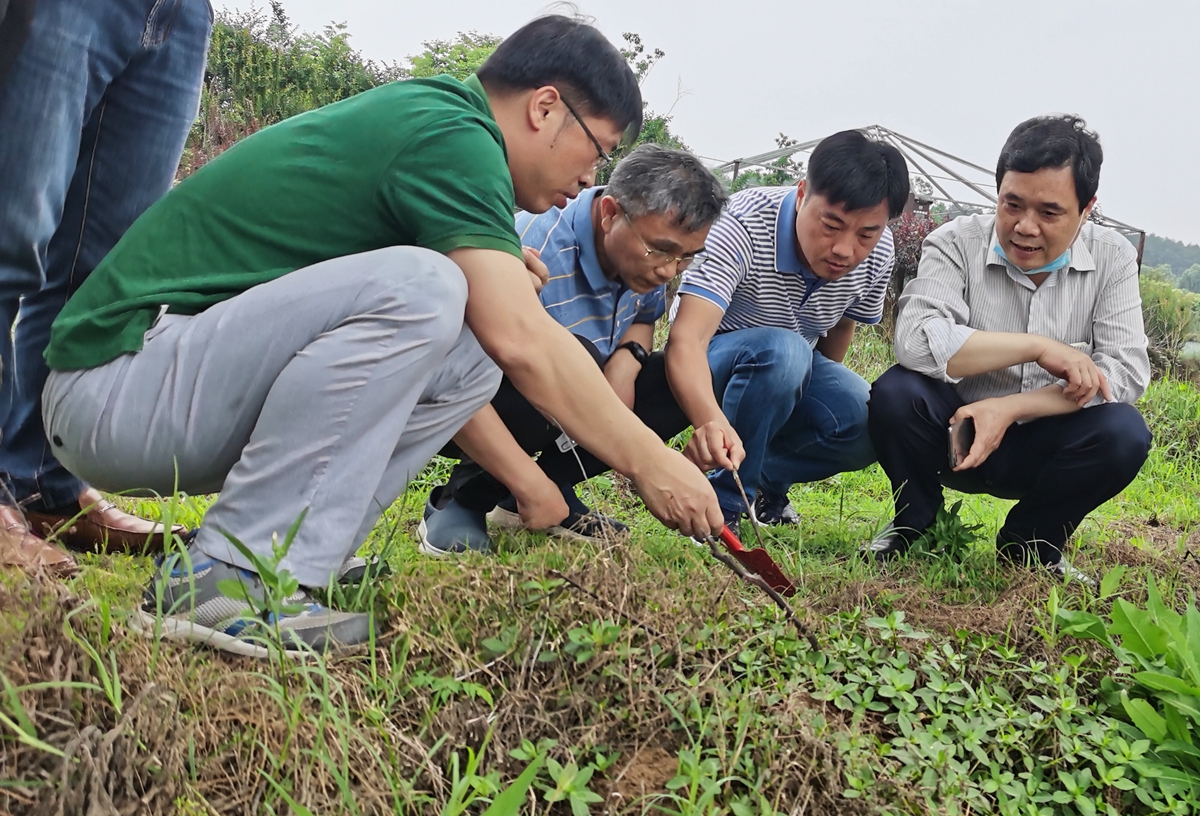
[(604, 158), (657, 257)]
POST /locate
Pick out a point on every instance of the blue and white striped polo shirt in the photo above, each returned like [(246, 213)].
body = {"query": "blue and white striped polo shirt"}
[(750, 269), (578, 295)]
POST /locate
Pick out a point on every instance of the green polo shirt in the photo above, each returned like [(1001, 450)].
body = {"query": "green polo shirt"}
[(414, 163)]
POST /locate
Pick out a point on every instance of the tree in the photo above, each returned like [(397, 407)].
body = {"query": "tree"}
[(261, 71), (909, 232), (782, 172), (459, 57), (1162, 274), (1190, 279)]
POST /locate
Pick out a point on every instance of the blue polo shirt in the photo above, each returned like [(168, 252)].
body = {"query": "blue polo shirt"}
[(750, 269), (578, 295)]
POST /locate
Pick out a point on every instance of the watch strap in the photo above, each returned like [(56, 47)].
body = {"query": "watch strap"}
[(637, 350)]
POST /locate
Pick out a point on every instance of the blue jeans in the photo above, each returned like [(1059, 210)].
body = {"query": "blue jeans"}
[(95, 114), (801, 416)]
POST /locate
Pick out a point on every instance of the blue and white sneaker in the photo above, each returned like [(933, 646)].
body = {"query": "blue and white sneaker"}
[(184, 602), (448, 528)]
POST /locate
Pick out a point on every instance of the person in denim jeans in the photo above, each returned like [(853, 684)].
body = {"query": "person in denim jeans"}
[(95, 112), (765, 317)]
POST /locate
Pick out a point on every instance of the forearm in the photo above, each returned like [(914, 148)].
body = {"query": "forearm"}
[(490, 445), (992, 351), (547, 365), (836, 342), (1044, 402), (691, 383)]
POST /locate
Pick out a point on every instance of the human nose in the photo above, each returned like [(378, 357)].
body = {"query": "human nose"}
[(1027, 224)]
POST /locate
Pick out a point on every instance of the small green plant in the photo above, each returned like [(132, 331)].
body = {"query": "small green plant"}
[(1157, 690), (949, 537)]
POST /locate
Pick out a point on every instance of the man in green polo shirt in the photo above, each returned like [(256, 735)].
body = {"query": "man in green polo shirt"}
[(305, 321)]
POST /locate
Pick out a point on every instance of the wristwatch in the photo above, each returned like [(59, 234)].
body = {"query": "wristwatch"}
[(635, 348)]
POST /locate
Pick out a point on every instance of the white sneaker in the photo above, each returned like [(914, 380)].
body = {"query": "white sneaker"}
[(1067, 571)]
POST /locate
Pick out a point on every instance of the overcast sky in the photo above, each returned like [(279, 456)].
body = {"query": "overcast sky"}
[(956, 74)]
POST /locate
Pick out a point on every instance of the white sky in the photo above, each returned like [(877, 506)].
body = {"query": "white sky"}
[(957, 74)]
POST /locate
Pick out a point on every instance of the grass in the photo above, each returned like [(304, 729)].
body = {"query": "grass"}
[(553, 678)]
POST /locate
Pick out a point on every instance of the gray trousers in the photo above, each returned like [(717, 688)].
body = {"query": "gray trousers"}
[(325, 390)]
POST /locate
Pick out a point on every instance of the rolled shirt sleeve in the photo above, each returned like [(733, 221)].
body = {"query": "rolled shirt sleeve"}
[(1118, 333), (934, 315)]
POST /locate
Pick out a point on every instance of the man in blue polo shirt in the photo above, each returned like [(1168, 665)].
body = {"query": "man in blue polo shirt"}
[(610, 253), (765, 317)]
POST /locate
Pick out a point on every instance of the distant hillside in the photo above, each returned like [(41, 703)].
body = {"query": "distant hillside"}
[(1179, 255)]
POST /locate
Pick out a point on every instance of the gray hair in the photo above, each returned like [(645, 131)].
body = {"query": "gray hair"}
[(657, 179)]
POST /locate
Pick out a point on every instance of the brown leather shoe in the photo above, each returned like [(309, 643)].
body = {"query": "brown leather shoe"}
[(97, 530), (21, 548)]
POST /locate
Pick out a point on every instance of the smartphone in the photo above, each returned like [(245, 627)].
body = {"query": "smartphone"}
[(960, 438)]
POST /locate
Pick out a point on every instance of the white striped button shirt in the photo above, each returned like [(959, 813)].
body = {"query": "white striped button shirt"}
[(750, 269), (964, 285)]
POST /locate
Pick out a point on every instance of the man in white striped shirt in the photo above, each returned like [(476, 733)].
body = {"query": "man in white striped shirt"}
[(1027, 327), (764, 319)]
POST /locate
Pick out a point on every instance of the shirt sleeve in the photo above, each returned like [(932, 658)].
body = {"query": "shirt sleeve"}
[(868, 307), (723, 264), (654, 305), (451, 188), (934, 316), (1118, 332)]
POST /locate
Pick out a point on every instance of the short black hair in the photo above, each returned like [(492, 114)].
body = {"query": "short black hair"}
[(574, 57), (1055, 141), (850, 169)]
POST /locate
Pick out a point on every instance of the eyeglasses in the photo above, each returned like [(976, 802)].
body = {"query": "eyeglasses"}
[(657, 257), (603, 159)]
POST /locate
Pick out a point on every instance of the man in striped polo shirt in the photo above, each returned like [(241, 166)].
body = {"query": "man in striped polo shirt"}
[(1026, 326), (766, 315), (609, 254)]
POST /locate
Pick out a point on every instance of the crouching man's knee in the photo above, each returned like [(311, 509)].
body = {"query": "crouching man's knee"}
[(1121, 438)]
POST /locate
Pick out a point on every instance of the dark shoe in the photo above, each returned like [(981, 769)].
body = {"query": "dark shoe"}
[(1022, 554), (885, 547), (580, 525), (448, 528), (185, 601), (590, 528), (772, 509), (356, 569)]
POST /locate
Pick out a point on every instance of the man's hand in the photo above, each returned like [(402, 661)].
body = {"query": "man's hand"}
[(715, 444), (1083, 377), (541, 503), (678, 494), (992, 418), (537, 270)]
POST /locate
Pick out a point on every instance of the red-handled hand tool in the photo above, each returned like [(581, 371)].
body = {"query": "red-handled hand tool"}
[(759, 562)]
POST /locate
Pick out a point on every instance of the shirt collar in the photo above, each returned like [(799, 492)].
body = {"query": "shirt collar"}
[(473, 85), (786, 259), (579, 212)]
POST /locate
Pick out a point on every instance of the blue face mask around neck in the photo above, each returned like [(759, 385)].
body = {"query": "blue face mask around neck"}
[(1056, 264)]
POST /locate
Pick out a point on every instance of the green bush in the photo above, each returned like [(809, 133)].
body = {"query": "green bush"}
[(1172, 317)]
